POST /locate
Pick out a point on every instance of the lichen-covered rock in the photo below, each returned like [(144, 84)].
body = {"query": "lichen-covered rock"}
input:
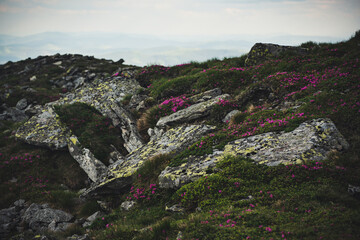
[(191, 113), (87, 161), (42, 217), (263, 51), (312, 140), (173, 141), (44, 129)]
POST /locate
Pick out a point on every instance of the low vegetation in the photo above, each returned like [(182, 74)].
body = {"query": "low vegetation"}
[(242, 201)]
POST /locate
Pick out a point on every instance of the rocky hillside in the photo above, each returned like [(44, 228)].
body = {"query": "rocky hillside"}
[(262, 146)]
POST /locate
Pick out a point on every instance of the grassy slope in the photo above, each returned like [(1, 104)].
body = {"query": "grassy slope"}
[(288, 202), (294, 202)]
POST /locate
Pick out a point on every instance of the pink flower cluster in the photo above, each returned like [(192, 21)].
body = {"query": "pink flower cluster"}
[(179, 102), (142, 193)]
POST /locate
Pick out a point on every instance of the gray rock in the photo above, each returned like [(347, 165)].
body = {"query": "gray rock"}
[(79, 81), (127, 205), (155, 133), (129, 130), (120, 174), (263, 51), (87, 161), (58, 63), (9, 220), (354, 191), (21, 104), (92, 218), (205, 96), (19, 203), (191, 113), (41, 217), (14, 114), (45, 129), (78, 237), (312, 140), (228, 116), (175, 208), (33, 79)]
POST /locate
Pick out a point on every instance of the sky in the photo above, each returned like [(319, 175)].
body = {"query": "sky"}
[(183, 19), (338, 18)]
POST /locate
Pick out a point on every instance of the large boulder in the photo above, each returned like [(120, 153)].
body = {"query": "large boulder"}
[(120, 174), (312, 140), (193, 112), (261, 52), (44, 129), (42, 218)]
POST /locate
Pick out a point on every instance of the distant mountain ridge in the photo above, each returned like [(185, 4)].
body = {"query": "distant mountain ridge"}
[(163, 50)]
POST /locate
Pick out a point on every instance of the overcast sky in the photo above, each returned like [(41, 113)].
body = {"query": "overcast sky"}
[(335, 18)]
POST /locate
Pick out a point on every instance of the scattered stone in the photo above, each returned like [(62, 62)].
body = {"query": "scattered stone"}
[(175, 208), (193, 112), (33, 79), (120, 174), (21, 104), (92, 218), (228, 116), (312, 140), (354, 191), (127, 205), (58, 63)]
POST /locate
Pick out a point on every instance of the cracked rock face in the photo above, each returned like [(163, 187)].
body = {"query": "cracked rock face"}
[(120, 173), (312, 140), (87, 161)]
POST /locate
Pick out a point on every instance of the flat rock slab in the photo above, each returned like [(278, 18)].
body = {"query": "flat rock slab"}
[(44, 130), (312, 140), (191, 113), (173, 141)]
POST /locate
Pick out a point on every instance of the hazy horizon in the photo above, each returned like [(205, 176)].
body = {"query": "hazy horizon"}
[(167, 32), (138, 49)]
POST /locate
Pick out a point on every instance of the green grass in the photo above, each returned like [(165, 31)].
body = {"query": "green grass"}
[(94, 131)]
